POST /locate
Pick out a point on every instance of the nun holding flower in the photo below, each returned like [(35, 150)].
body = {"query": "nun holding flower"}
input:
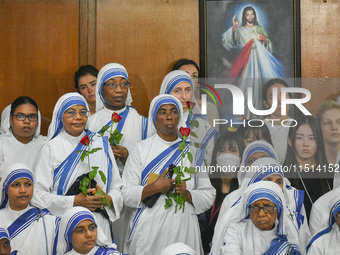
[(74, 157)]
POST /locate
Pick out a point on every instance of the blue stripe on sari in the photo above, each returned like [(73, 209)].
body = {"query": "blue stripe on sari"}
[(145, 123), (25, 220), (65, 170)]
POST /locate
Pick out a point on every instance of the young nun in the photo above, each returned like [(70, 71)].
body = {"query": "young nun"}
[(179, 84), (23, 214), (80, 234), (151, 229), (60, 168), (113, 96), (22, 133), (268, 169), (258, 224), (327, 240)]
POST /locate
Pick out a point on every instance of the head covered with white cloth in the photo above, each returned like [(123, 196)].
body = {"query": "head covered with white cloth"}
[(174, 78), (107, 72), (69, 222), (286, 235), (251, 149), (178, 248), (156, 103), (11, 173), (64, 102)]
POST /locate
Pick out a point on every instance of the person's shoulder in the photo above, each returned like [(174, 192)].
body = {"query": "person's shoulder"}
[(133, 111)]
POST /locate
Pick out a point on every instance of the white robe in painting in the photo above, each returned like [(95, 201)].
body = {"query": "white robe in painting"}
[(279, 135), (52, 155), (327, 243), (132, 129), (261, 64), (244, 238), (12, 151), (158, 227), (38, 238)]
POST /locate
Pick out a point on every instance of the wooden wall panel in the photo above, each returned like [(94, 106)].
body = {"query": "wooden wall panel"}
[(147, 37), (39, 50), (320, 51)]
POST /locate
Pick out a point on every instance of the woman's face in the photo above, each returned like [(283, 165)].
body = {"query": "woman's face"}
[(330, 126), (84, 236), (20, 193), (263, 220), (275, 178), (233, 150), (255, 156), (251, 137), (305, 143), (183, 93), (74, 119), (87, 87), (191, 70), (268, 102), (5, 246), (24, 129)]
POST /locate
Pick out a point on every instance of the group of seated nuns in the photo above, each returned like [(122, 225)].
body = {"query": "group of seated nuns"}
[(100, 182)]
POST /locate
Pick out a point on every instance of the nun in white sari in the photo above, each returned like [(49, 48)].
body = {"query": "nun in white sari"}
[(151, 229), (246, 234), (132, 123), (12, 146), (60, 164), (5, 246), (25, 219), (68, 227), (206, 135), (327, 240), (267, 169)]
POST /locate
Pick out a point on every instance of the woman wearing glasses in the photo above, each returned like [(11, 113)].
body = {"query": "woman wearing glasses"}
[(258, 224), (23, 141), (60, 168)]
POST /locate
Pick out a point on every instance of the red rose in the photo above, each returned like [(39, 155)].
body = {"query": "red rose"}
[(190, 104), (85, 140), (184, 131), (115, 117)]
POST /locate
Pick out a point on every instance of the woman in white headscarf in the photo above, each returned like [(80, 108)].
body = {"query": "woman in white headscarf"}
[(60, 168), (113, 96), (23, 214), (79, 234), (152, 228), (21, 135), (258, 224), (267, 169), (326, 241), (5, 114), (179, 84)]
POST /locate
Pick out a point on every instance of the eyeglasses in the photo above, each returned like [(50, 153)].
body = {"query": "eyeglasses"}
[(82, 230), (114, 85), (253, 209), (22, 117), (72, 113)]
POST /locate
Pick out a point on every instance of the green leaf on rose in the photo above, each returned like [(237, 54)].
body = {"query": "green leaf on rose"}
[(102, 176), (194, 123), (181, 146), (193, 134), (92, 174), (83, 155), (94, 150), (102, 131), (197, 145), (190, 156)]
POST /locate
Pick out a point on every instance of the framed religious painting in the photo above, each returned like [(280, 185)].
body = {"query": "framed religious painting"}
[(246, 44)]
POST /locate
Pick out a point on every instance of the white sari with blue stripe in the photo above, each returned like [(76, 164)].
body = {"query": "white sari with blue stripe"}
[(152, 229), (242, 237)]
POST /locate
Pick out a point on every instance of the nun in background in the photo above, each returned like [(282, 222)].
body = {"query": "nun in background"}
[(60, 169), (258, 224), (268, 169), (24, 215), (327, 241), (179, 84), (5, 114), (20, 136), (80, 234)]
